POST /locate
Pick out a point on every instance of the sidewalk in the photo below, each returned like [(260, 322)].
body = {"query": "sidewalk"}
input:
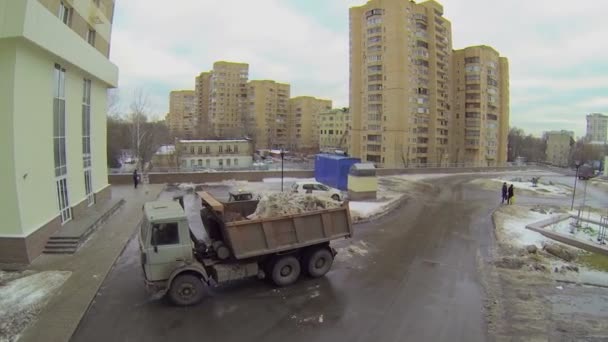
[(89, 267)]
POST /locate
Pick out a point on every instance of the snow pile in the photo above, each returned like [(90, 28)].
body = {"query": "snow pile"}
[(22, 299), (359, 210), (286, 203), (186, 186)]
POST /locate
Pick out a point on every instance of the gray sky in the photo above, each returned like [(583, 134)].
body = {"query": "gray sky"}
[(556, 49)]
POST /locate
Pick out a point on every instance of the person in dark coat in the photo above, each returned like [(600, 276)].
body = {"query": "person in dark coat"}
[(504, 193), (510, 195), (135, 178)]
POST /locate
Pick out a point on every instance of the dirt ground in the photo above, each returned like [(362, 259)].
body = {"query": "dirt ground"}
[(526, 300)]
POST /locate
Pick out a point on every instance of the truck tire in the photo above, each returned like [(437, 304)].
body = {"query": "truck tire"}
[(285, 270), (336, 198), (186, 289), (318, 262)]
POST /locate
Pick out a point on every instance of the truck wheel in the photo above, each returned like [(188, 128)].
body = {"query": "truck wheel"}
[(186, 290), (318, 262), (285, 271), (335, 198)]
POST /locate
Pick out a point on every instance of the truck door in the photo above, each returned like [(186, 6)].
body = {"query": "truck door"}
[(167, 250)]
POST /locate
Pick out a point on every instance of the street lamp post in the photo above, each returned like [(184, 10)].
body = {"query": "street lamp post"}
[(577, 164), (282, 157)]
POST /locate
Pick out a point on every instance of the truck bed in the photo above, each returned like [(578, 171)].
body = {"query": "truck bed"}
[(250, 238)]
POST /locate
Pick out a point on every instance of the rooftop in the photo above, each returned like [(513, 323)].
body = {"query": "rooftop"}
[(163, 210)]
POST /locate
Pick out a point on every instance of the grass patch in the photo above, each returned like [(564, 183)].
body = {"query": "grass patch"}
[(594, 261)]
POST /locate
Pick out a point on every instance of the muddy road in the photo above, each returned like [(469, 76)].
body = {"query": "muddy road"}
[(409, 276)]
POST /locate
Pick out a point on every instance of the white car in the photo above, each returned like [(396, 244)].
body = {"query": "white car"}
[(318, 189)]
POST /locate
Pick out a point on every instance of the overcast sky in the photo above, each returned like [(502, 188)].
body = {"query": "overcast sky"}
[(556, 48)]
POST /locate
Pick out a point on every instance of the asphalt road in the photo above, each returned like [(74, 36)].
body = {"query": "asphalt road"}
[(411, 276)]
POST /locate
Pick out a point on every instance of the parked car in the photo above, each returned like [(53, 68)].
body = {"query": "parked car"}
[(585, 172), (318, 189)]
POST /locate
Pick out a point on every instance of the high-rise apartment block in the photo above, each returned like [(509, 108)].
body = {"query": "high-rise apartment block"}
[(399, 87), (480, 115), (182, 119), (334, 129), (597, 128), (559, 147), (304, 123), (228, 106), (402, 85), (268, 114), (202, 89), (228, 99), (54, 77)]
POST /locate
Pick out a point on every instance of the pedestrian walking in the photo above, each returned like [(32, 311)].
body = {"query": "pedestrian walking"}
[(505, 192), (135, 178), (510, 195)]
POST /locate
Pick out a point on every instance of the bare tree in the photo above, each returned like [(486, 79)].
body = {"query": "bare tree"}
[(147, 136)]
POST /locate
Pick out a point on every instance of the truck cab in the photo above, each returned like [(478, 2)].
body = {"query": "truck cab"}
[(165, 243)]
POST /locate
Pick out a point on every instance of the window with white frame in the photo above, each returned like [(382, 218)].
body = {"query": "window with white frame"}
[(59, 143), (91, 34), (65, 13)]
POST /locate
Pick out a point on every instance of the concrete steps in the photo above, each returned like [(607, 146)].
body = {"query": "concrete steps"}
[(69, 240)]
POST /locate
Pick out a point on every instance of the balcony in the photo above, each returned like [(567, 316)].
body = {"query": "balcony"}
[(43, 29)]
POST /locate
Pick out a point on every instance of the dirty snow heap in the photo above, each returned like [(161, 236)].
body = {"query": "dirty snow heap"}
[(285, 203)]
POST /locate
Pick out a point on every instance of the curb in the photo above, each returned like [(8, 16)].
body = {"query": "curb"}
[(388, 209)]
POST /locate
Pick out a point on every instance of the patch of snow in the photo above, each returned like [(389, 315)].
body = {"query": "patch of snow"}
[(22, 299), (321, 319), (358, 250), (186, 186), (515, 230), (366, 209), (315, 294)]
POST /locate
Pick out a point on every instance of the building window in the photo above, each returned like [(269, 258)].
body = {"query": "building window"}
[(207, 149), (59, 124), (86, 141), (200, 162), (59, 143), (91, 37), (65, 13), (200, 150), (236, 162), (86, 123), (191, 149), (220, 149), (228, 162)]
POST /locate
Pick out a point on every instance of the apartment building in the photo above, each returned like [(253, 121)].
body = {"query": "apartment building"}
[(400, 55), (480, 115), (334, 127), (182, 119), (202, 91), (53, 89), (268, 114), (215, 154), (304, 122), (559, 147), (597, 128), (227, 99)]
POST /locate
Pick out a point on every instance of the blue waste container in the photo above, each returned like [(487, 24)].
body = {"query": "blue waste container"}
[(332, 170)]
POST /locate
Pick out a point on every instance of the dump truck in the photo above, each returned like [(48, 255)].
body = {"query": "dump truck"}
[(178, 265)]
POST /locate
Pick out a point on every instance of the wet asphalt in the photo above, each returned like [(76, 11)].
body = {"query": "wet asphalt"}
[(411, 276)]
